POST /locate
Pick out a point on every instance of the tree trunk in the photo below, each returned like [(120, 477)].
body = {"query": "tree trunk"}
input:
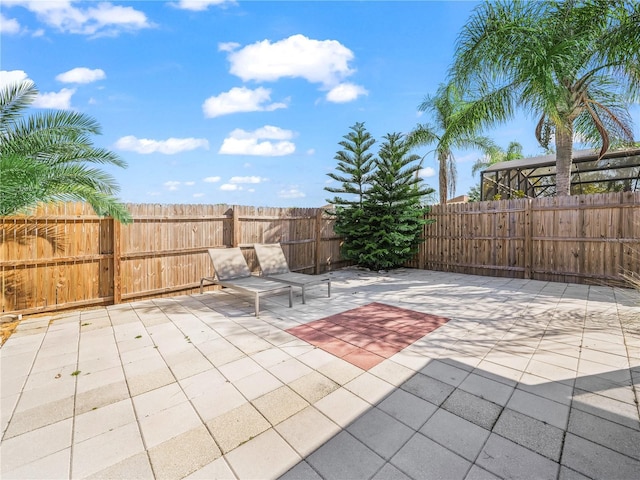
[(442, 176), (564, 157)]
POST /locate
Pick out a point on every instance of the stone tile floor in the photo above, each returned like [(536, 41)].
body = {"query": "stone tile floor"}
[(527, 379)]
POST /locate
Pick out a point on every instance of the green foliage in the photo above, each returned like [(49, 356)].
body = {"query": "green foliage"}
[(355, 164), (45, 158), (493, 155), (384, 229), (454, 126), (496, 154), (571, 64), (474, 194)]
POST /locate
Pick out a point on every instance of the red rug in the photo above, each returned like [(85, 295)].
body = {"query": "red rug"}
[(365, 336)]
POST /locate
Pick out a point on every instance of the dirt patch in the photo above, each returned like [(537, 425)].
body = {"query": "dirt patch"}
[(7, 329)]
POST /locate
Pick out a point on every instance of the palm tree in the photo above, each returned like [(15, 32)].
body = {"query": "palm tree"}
[(496, 154), (573, 64), (44, 157), (450, 130)]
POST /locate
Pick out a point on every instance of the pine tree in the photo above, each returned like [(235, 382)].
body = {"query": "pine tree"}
[(355, 164), (382, 228), (393, 213)]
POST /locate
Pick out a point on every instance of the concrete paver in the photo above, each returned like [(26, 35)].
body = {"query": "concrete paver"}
[(380, 432), (421, 457), (345, 457), (428, 388), (457, 434), (507, 459), (411, 410), (295, 430), (473, 408), (531, 433), (596, 461), (265, 456), (531, 380), (237, 426)]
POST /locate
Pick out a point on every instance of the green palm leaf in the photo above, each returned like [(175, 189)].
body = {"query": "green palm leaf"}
[(45, 158)]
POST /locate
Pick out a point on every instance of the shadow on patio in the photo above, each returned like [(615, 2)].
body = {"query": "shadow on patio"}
[(527, 379)]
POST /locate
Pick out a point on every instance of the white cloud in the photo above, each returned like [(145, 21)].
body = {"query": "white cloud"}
[(240, 99), (56, 100), (230, 187), (228, 46), (427, 172), (291, 192), (97, 19), (258, 142), (9, 26), (251, 179), (173, 185), (198, 195), (311, 151), (232, 146), (8, 77), (211, 179), (345, 92), (200, 5), (81, 75), (267, 132), (317, 61), (170, 146)]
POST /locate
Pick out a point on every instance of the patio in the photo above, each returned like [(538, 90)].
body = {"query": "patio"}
[(519, 379)]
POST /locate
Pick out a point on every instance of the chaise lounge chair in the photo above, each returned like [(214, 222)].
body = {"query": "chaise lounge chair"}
[(232, 271), (274, 267)]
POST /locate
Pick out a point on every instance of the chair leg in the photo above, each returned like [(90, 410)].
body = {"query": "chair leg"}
[(291, 297), (329, 288), (257, 305), (303, 297)]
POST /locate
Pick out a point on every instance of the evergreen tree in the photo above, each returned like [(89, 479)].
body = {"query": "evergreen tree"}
[(355, 164), (384, 229)]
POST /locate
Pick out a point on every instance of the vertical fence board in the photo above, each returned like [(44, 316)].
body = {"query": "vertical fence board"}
[(64, 255)]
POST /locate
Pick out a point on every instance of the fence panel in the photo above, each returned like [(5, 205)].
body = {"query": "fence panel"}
[(64, 256), (582, 239)]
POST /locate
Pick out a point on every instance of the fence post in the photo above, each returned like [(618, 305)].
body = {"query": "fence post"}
[(318, 240), (528, 240), (117, 254), (235, 226)]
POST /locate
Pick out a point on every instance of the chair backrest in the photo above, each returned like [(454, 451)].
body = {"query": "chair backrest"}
[(229, 263), (271, 258)]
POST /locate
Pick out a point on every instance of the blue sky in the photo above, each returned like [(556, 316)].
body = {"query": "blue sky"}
[(217, 101)]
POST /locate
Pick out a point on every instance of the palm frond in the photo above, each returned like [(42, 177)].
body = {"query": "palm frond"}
[(14, 98), (44, 158)]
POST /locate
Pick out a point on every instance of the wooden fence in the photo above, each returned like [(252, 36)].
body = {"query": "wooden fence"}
[(64, 256), (578, 239)]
